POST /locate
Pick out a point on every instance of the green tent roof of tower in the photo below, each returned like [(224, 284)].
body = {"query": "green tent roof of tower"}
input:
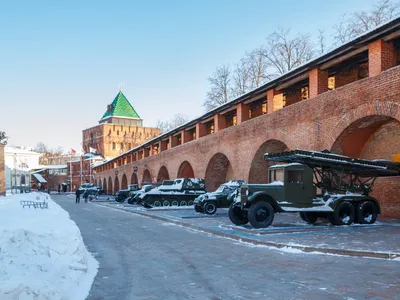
[(121, 107)]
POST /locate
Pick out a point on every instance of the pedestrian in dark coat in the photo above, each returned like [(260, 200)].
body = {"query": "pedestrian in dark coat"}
[(78, 195), (86, 195)]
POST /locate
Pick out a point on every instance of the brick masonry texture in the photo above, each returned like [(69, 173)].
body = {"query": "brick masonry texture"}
[(366, 111)]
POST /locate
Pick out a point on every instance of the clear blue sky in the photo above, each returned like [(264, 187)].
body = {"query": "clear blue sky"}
[(62, 61)]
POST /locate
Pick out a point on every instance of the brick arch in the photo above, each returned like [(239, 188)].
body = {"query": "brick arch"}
[(124, 182), (146, 176), (116, 185), (185, 170), (134, 179), (219, 170), (162, 174), (258, 172), (105, 185), (377, 108), (110, 186)]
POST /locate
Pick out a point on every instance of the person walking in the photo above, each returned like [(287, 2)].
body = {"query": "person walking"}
[(86, 195), (78, 195)]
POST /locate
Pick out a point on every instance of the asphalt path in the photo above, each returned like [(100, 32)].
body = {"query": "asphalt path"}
[(143, 258)]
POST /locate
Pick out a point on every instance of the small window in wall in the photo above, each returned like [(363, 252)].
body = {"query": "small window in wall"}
[(109, 132), (363, 71), (304, 93), (129, 146), (331, 83), (283, 100), (117, 132), (122, 146), (294, 176), (210, 127), (264, 108), (231, 119), (113, 146)]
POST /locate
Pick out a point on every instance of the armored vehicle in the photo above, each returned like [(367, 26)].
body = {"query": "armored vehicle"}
[(182, 192), (134, 196), (93, 190), (315, 184), (122, 195), (222, 197)]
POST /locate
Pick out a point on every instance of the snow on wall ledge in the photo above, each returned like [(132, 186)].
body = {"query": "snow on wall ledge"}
[(42, 254)]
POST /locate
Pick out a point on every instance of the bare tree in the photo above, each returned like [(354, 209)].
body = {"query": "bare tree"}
[(240, 79), (321, 40), (220, 88), (284, 52), (259, 68), (360, 22), (50, 156), (176, 121), (3, 138)]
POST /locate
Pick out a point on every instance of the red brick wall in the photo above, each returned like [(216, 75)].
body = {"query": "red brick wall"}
[(313, 124), (387, 191), (318, 82), (384, 143), (381, 56)]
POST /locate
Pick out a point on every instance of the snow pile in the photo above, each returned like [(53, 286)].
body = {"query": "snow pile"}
[(42, 255)]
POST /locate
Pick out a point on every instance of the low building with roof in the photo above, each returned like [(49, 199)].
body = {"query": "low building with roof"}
[(19, 161)]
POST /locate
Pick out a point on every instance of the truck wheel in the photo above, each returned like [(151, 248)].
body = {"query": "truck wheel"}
[(309, 217), (344, 214), (210, 208), (165, 203), (174, 203), (156, 203), (367, 212), (261, 214), (198, 209), (237, 215), (190, 202), (183, 203)]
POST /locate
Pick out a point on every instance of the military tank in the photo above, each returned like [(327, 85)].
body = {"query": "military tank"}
[(181, 193)]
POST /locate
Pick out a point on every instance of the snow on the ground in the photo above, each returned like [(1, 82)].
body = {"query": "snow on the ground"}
[(42, 254)]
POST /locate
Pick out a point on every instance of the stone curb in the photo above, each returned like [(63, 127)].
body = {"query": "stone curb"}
[(309, 249)]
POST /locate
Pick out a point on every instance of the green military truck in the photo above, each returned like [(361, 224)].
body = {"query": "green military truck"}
[(315, 184)]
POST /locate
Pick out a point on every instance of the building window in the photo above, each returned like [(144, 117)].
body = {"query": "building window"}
[(122, 146), (210, 127), (231, 119), (113, 146), (109, 132), (304, 93), (331, 83), (264, 108), (117, 132), (283, 100), (129, 145), (155, 149)]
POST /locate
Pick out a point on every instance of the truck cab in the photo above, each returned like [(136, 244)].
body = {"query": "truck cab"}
[(288, 185), (297, 179)]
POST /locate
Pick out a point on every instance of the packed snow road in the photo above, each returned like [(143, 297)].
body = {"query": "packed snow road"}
[(142, 258)]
